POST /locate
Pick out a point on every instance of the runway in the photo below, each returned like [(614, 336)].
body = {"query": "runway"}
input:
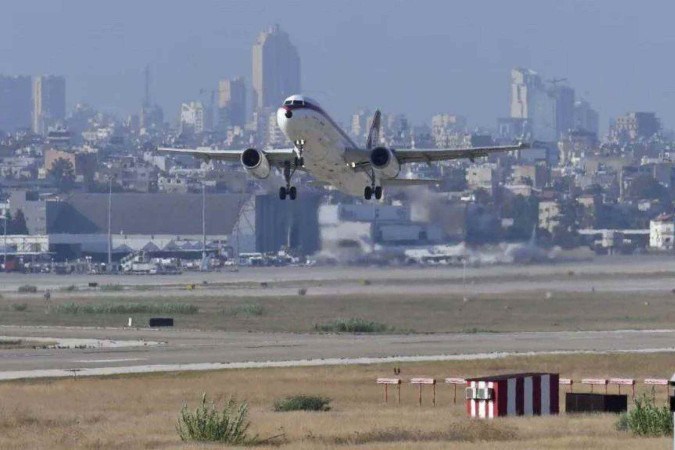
[(173, 350)]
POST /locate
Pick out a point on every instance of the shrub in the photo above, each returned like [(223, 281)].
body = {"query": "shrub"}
[(111, 287), (206, 423), (352, 326), (127, 308), (302, 403), (19, 306), (647, 419), (250, 309), (27, 289), (70, 288)]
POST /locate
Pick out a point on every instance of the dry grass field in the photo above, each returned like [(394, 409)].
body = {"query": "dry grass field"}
[(511, 311), (141, 411)]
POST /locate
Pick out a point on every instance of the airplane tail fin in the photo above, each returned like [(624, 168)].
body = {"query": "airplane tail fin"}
[(374, 133)]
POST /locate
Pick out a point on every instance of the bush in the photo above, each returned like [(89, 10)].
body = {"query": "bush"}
[(302, 403), (352, 326), (249, 309), (206, 423), (27, 289), (127, 308), (111, 287), (19, 306), (70, 288), (647, 419)]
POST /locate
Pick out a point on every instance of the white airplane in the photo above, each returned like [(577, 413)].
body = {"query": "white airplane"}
[(323, 150)]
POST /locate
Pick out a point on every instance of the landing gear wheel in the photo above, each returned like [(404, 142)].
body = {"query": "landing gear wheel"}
[(368, 193), (299, 162), (282, 193), (292, 193), (378, 192)]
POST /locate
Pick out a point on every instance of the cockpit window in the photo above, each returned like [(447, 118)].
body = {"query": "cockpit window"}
[(288, 102), (298, 103)]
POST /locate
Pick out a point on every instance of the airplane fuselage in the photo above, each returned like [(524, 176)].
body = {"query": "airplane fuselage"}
[(324, 144)]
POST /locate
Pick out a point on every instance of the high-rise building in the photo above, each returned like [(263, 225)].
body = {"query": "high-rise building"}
[(548, 110), (231, 103), (585, 117), (15, 103), (49, 102), (634, 126), (276, 68), (192, 117)]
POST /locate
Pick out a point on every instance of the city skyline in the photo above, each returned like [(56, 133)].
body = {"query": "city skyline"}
[(373, 55)]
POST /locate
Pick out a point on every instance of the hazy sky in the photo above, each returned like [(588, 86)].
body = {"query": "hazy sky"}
[(417, 57)]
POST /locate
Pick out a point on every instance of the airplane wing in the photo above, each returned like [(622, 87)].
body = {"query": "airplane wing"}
[(407, 155), (276, 156)]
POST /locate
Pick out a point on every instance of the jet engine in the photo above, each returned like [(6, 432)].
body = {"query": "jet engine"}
[(256, 163), (384, 162)]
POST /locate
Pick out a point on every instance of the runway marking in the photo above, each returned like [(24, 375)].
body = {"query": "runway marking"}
[(198, 367)]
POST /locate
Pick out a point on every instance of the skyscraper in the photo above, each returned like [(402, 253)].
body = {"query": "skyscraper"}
[(276, 68), (231, 103), (15, 103), (49, 102), (547, 109)]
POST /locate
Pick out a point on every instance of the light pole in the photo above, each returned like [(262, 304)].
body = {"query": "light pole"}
[(203, 226), (4, 245), (109, 224)]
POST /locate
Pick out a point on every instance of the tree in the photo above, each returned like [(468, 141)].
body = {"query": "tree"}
[(63, 174), (645, 186)]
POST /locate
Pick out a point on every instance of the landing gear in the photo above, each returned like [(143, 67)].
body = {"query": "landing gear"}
[(300, 146), (370, 191), (373, 189), (288, 190)]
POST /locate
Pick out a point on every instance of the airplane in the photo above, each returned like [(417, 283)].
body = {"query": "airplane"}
[(323, 150)]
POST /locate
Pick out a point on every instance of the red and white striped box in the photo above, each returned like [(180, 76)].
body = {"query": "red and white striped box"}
[(521, 394)]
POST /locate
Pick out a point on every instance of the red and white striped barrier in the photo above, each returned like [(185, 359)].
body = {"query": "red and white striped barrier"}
[(389, 381), (455, 382), (421, 382), (595, 382), (527, 394), (657, 382), (623, 382)]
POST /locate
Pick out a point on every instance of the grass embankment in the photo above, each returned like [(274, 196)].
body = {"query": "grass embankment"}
[(504, 312)]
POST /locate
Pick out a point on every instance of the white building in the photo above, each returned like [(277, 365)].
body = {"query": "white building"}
[(662, 232), (192, 117)]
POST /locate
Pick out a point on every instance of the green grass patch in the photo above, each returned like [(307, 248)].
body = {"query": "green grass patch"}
[(207, 424), (20, 307), (126, 308), (352, 326), (647, 419), (111, 287), (27, 289), (302, 403)]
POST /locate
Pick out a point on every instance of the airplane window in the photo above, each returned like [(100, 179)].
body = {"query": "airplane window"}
[(298, 103)]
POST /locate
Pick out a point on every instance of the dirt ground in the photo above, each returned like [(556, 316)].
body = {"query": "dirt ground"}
[(141, 411)]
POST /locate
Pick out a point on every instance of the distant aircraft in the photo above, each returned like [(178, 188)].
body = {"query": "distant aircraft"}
[(323, 150)]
